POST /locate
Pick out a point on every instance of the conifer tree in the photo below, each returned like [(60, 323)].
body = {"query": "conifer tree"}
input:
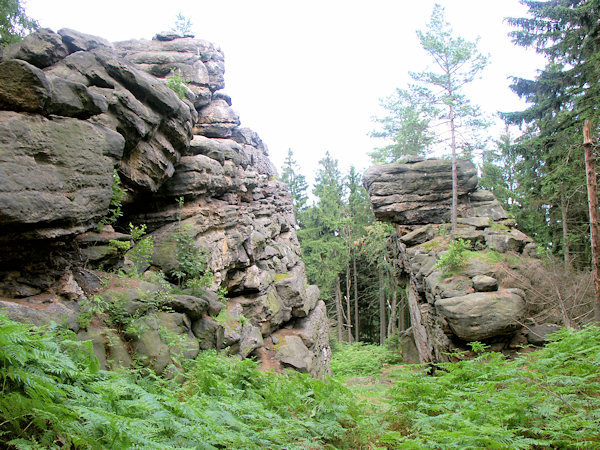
[(290, 174), (456, 63)]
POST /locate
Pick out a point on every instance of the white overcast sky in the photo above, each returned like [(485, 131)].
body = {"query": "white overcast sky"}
[(308, 75)]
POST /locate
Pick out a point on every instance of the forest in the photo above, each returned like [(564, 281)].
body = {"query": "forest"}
[(54, 393)]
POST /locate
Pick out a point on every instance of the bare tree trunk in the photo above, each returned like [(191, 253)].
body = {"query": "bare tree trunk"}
[(338, 309), (393, 314), (381, 310), (419, 332), (356, 335), (594, 219), (349, 323), (565, 230), (454, 211)]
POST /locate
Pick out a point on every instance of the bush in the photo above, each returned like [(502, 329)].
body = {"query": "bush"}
[(454, 258), (177, 84)]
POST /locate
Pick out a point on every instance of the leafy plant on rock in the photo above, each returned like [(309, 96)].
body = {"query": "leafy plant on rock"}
[(455, 258)]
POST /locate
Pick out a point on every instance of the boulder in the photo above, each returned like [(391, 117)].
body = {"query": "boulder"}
[(418, 191), (538, 334), (42, 48), (51, 311), (293, 353), (23, 87), (209, 333), (483, 283), (482, 315)]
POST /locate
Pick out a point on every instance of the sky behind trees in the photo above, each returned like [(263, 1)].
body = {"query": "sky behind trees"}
[(309, 75)]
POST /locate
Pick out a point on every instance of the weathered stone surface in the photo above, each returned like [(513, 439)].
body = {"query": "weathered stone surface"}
[(72, 99), (217, 120), (148, 346), (42, 48), (417, 192), (196, 307), (250, 339), (57, 183), (483, 283), (538, 334), (293, 353), (509, 241), (76, 41), (54, 172), (209, 332), (175, 331), (418, 236), (482, 315), (23, 87), (40, 313)]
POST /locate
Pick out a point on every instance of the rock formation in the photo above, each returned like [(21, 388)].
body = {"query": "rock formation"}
[(449, 307), (73, 108)]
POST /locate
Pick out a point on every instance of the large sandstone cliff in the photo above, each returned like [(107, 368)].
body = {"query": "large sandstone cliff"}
[(489, 297), (73, 108)]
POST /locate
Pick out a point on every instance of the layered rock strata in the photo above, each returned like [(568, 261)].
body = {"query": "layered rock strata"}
[(478, 299), (74, 108)]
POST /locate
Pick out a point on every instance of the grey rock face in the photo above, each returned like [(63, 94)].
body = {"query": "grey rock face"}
[(74, 107), (418, 192), (481, 315), (56, 173), (538, 334)]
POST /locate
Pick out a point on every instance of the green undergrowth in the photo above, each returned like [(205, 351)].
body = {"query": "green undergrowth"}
[(360, 359), (546, 399), (53, 395)]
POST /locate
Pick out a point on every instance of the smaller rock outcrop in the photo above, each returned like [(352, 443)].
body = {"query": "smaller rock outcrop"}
[(473, 295)]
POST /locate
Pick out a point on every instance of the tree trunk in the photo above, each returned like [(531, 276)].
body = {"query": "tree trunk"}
[(594, 219), (381, 309), (454, 211), (393, 314), (349, 323), (565, 229), (356, 335), (419, 332), (338, 309)]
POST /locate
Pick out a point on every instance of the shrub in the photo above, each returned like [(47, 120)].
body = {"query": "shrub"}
[(143, 248), (192, 270), (114, 210), (454, 258), (177, 84)]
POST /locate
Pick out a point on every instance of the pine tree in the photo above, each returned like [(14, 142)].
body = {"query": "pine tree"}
[(407, 125), (457, 62)]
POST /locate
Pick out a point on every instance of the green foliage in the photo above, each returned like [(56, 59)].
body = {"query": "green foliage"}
[(455, 258), (407, 125), (549, 399), (116, 202), (14, 23), (121, 247), (143, 248), (88, 308), (183, 25), (360, 359), (52, 395), (177, 84), (192, 269), (290, 175)]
